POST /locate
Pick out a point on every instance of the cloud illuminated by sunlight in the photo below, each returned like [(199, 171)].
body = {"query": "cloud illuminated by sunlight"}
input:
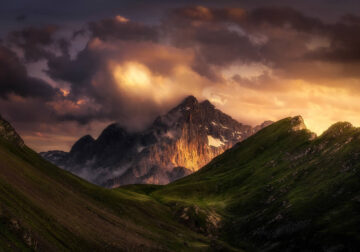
[(320, 105), (136, 80), (132, 76)]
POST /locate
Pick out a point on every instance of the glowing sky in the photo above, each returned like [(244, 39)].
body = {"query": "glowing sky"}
[(66, 75)]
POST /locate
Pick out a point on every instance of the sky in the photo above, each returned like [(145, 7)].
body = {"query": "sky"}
[(70, 68)]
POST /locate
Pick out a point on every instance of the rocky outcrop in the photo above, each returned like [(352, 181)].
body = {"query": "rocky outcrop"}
[(298, 123), (177, 144), (8, 133)]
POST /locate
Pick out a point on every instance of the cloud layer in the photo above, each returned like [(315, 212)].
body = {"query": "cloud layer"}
[(255, 64)]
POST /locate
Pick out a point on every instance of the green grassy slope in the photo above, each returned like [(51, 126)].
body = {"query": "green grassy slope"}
[(279, 190), (44, 208)]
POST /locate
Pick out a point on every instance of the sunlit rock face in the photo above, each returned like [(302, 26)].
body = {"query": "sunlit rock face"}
[(177, 144), (298, 123)]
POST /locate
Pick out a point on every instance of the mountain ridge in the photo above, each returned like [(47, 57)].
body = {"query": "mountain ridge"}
[(281, 189), (176, 144)]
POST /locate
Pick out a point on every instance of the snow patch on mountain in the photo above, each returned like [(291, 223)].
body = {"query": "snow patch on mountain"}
[(215, 142)]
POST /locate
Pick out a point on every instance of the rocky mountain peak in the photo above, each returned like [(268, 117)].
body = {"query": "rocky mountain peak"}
[(187, 105), (113, 133), (113, 128), (207, 104), (189, 101), (176, 144), (82, 143), (297, 123), (8, 133)]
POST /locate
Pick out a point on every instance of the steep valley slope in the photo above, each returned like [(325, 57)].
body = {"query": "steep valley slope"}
[(44, 208)]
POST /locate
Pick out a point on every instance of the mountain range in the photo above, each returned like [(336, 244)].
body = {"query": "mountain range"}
[(175, 145), (281, 189)]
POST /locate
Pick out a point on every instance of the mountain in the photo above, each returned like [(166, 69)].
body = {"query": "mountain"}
[(282, 189), (44, 208), (175, 145)]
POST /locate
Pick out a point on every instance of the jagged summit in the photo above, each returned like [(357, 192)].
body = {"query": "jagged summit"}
[(8, 133), (190, 100), (189, 103), (81, 150), (85, 140), (207, 104), (112, 128), (176, 144)]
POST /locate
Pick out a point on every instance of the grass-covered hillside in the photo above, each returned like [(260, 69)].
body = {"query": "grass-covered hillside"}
[(282, 189), (43, 208)]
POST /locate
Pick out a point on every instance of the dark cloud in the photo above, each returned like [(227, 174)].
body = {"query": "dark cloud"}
[(89, 61), (201, 13), (33, 41), (217, 38), (343, 35), (93, 82), (15, 80), (289, 44), (111, 40), (75, 71), (214, 36), (223, 36), (344, 38), (350, 19), (283, 17), (123, 29), (21, 18)]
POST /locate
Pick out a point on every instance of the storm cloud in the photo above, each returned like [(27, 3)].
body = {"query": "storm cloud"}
[(271, 61), (14, 79)]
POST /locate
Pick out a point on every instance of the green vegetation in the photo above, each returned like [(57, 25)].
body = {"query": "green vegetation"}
[(279, 190), (44, 208)]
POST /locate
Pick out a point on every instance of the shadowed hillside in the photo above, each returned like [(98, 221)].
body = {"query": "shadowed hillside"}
[(45, 208)]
